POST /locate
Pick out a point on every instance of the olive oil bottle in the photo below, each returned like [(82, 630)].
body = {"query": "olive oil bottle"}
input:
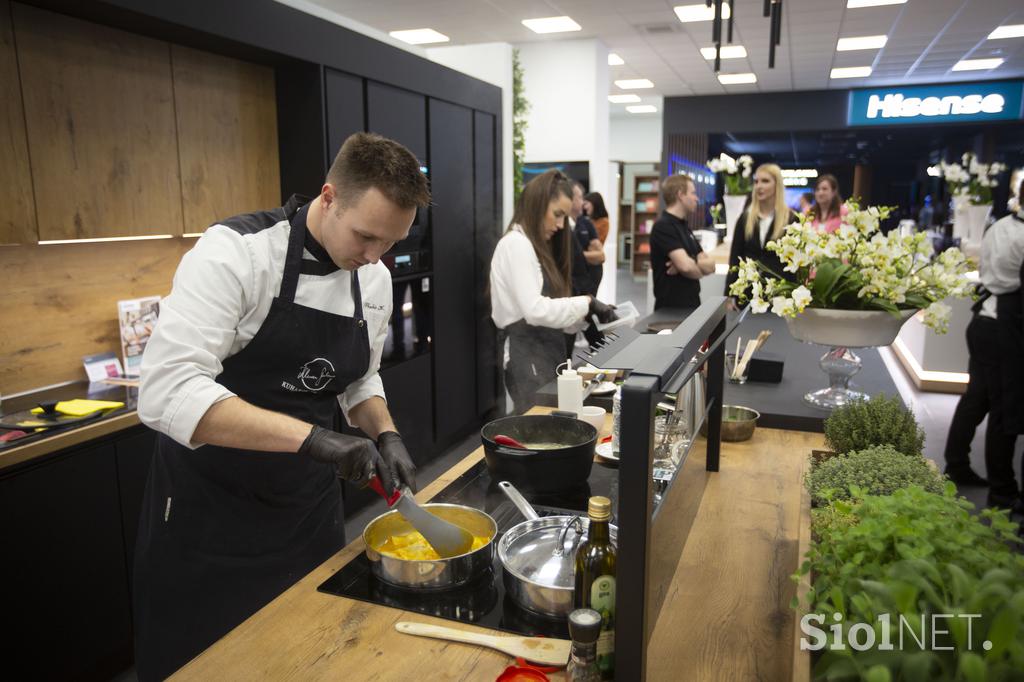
[(595, 580)]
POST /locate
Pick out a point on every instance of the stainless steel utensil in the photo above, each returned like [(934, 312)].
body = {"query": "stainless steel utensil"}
[(446, 538), (430, 574)]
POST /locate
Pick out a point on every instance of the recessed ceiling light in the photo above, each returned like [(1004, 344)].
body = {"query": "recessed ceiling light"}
[(634, 84), (614, 59), (728, 51), (642, 109), (623, 99), (1008, 31), (551, 25), (854, 4), (861, 43), (701, 12), (851, 72), (420, 36), (977, 64), (736, 78)]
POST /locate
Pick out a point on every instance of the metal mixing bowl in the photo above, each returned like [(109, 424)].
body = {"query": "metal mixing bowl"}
[(737, 423)]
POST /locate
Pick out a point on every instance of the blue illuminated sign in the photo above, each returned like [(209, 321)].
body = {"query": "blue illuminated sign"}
[(957, 102)]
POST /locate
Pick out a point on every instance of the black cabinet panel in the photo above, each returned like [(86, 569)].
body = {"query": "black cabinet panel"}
[(486, 232), (346, 113), (65, 585), (398, 114), (301, 133), (134, 455), (451, 157)]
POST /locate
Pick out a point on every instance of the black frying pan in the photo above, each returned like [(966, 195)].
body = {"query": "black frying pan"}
[(542, 471)]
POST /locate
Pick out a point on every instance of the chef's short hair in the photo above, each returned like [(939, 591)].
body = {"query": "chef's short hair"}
[(368, 160), (672, 186)]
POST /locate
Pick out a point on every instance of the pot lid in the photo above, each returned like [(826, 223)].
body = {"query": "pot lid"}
[(544, 551)]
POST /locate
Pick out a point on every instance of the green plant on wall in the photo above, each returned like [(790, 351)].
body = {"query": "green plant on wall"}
[(520, 108)]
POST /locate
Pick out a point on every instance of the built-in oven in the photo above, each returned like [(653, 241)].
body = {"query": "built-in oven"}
[(412, 315)]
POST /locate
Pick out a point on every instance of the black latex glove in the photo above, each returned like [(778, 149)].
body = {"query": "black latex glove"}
[(355, 459), (396, 458), (605, 313)]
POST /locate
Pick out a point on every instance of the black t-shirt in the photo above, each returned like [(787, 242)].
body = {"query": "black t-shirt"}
[(585, 277), (673, 291)]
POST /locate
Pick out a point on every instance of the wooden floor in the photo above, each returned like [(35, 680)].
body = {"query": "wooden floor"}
[(726, 618)]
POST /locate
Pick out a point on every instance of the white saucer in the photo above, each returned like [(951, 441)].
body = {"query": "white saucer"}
[(604, 388), (604, 451)]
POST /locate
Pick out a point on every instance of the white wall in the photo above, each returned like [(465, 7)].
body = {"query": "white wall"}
[(491, 63), (636, 139)]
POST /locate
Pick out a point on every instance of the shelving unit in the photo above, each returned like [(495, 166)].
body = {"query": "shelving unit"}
[(645, 212)]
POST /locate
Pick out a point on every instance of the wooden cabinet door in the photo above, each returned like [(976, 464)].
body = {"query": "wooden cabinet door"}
[(227, 136), (99, 110), (18, 219)]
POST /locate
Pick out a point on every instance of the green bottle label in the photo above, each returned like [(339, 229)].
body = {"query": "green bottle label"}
[(602, 600)]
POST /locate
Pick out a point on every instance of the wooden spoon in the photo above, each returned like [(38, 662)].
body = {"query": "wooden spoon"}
[(547, 651)]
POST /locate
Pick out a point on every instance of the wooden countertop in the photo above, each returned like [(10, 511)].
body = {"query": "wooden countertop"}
[(727, 616)]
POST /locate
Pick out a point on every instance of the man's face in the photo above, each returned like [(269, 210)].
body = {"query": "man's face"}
[(361, 232), (577, 202), (688, 198)]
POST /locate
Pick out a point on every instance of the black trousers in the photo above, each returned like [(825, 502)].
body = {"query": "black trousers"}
[(983, 396)]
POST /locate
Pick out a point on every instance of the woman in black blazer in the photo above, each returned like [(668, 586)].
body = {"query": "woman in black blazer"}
[(760, 224)]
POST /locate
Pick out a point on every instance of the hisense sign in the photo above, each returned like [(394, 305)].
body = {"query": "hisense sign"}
[(964, 102)]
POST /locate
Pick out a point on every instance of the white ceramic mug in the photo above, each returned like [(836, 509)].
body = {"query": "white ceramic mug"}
[(594, 416)]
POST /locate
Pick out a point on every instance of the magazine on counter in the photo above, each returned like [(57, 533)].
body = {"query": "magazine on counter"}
[(137, 318)]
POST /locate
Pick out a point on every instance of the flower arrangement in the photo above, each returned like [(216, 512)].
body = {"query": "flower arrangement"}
[(716, 213), (737, 172), (971, 179), (855, 268)]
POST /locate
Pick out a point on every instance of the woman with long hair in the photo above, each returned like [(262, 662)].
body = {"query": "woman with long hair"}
[(828, 209), (765, 220), (593, 206), (531, 287)]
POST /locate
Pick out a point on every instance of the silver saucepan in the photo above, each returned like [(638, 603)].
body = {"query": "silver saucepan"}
[(435, 574), (539, 558)]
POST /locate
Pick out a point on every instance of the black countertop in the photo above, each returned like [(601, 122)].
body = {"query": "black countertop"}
[(781, 405)]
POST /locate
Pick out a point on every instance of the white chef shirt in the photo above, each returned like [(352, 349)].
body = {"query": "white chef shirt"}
[(516, 285), (221, 294), (1002, 252)]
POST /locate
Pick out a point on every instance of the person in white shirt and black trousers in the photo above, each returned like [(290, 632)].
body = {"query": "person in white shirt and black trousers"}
[(531, 287), (276, 320), (995, 340), (765, 220)]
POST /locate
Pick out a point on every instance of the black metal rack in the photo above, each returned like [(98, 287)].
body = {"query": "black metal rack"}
[(651, 539)]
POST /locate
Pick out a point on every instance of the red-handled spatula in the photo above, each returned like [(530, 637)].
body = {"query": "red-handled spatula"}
[(446, 538), (509, 441)]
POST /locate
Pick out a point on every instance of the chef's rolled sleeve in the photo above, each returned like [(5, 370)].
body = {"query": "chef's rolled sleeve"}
[(194, 334)]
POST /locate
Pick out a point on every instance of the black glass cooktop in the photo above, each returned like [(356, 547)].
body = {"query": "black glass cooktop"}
[(483, 601)]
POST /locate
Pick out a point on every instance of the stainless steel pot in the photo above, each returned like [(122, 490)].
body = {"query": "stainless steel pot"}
[(430, 574), (539, 557)]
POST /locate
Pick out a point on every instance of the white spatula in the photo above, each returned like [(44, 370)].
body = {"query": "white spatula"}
[(537, 649), (446, 538)]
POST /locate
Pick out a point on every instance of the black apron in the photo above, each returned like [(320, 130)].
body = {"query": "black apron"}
[(224, 531), (534, 353)]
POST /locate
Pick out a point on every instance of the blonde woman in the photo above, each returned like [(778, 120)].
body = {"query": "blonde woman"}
[(764, 221)]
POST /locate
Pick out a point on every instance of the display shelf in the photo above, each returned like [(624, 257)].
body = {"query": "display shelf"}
[(645, 210)]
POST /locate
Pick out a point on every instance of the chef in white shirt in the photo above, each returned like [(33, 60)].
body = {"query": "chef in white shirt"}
[(995, 340), (275, 319), (531, 283)]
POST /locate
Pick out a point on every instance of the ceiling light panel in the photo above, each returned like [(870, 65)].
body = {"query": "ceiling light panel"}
[(1008, 31), (551, 25), (851, 72), (855, 4), (861, 43), (736, 78), (615, 60), (420, 36), (977, 64), (701, 12), (634, 84), (623, 99), (728, 52)]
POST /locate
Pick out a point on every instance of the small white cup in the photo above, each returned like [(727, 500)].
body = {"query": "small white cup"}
[(594, 416)]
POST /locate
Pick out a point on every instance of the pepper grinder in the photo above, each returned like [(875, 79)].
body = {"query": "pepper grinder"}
[(584, 628)]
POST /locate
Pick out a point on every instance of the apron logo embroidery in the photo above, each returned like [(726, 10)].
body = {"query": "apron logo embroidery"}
[(316, 374), (373, 306)]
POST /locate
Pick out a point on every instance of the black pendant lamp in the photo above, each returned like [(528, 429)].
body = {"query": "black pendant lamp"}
[(772, 9)]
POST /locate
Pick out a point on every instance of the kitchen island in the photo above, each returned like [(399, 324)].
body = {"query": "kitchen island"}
[(726, 615)]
